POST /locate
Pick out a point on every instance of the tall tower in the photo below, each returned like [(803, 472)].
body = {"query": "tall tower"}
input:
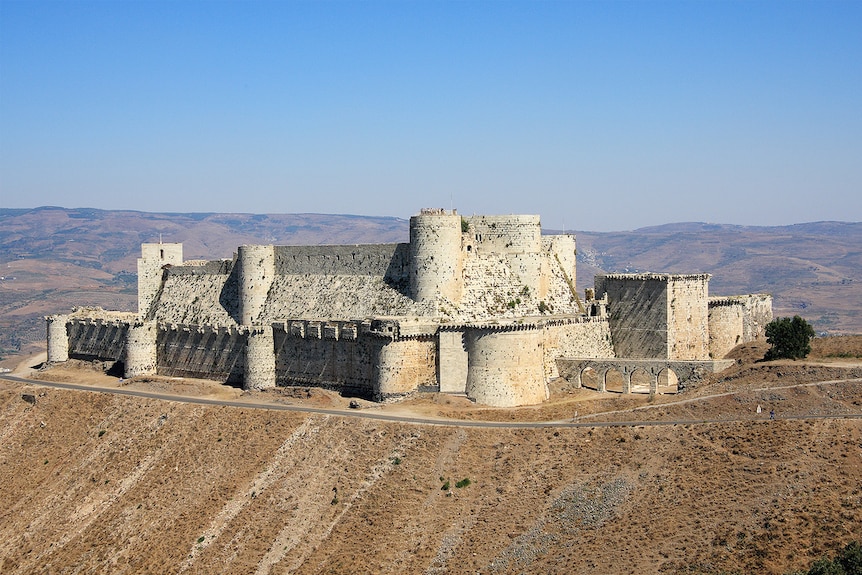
[(435, 255), (151, 264), (256, 272)]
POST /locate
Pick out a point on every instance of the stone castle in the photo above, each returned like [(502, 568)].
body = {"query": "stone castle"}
[(481, 305)]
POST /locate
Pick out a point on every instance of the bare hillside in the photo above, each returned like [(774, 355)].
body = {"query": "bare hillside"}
[(98, 483)]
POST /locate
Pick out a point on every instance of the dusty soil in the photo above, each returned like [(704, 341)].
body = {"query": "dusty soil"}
[(100, 483)]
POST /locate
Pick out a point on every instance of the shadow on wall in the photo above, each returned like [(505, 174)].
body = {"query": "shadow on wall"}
[(209, 355), (229, 296), (397, 274)]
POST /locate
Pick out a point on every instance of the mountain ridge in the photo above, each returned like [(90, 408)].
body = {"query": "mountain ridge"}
[(53, 258)]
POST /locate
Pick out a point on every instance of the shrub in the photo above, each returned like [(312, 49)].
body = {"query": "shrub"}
[(847, 562), (463, 483), (851, 558), (789, 338)]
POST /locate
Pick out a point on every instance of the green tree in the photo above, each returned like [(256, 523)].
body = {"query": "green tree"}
[(851, 558), (826, 567), (790, 338)]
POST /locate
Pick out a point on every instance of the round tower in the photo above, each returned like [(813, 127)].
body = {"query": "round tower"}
[(58, 338), (141, 355), (259, 359), (256, 272), (435, 255), (505, 366)]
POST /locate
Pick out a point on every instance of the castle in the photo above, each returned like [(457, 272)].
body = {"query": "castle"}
[(479, 305)]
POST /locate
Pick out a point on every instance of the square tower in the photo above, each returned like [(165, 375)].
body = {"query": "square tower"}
[(657, 316), (151, 264)]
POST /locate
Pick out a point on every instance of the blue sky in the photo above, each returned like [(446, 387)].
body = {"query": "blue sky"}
[(596, 115)]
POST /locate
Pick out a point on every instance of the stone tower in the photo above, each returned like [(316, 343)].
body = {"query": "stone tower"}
[(151, 264), (435, 255), (256, 272)]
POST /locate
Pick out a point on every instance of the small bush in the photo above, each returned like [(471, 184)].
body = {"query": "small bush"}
[(101, 432), (789, 338), (445, 486), (201, 539), (848, 561), (463, 483)]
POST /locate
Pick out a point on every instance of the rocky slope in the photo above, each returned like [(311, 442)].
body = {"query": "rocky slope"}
[(98, 483)]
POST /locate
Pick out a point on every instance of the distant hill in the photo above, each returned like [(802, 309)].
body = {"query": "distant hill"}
[(53, 258), (813, 269)]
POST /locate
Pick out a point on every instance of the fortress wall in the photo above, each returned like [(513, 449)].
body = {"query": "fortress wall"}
[(516, 240), (435, 256), (406, 364), (96, 339), (207, 353), (505, 368), (725, 326), (490, 284), (637, 313), (588, 338), (199, 295), (688, 317), (307, 353), (737, 319), (384, 260), (342, 356), (562, 256), (315, 296), (758, 313), (506, 234)]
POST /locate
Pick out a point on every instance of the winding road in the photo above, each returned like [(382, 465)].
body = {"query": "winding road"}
[(583, 421)]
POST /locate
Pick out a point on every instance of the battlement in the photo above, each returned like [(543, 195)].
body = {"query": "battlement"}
[(650, 276)]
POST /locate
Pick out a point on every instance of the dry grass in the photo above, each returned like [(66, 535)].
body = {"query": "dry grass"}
[(95, 483)]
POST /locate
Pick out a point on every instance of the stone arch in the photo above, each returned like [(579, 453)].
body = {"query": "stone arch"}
[(614, 379), (668, 381), (590, 377), (641, 379)]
